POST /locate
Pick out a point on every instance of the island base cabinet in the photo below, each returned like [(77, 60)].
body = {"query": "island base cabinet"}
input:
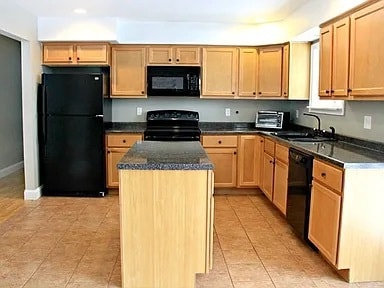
[(166, 226)]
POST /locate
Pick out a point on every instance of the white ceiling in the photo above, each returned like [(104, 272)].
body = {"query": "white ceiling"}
[(223, 11)]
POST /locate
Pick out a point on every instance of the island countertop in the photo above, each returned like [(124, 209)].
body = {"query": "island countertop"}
[(160, 155)]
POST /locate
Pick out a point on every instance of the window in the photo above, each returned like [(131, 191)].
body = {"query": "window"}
[(333, 107)]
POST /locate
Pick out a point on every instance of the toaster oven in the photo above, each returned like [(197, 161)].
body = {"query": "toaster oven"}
[(267, 119)]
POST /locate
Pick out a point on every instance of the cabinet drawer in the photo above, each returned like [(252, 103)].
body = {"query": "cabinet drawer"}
[(220, 141), (282, 153), (328, 175), (122, 140), (269, 147)]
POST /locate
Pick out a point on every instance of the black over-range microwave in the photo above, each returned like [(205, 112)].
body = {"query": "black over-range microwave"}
[(173, 81)]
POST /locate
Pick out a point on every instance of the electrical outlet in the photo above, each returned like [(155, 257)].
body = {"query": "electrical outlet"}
[(139, 111), (227, 112), (367, 122), (297, 113)]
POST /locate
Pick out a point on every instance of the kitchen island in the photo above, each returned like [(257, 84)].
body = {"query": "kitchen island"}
[(166, 214)]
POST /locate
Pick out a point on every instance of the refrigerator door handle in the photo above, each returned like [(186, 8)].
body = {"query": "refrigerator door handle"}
[(99, 115), (44, 120)]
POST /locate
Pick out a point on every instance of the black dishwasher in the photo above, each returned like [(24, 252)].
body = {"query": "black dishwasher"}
[(299, 191)]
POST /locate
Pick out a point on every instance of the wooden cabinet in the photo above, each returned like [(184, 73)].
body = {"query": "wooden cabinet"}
[(97, 54), (268, 168), (270, 71), (220, 72), (351, 61), (366, 55), (128, 72), (222, 151), (334, 60), (296, 70), (182, 55), (117, 145), (325, 209), (250, 148), (248, 61), (280, 187)]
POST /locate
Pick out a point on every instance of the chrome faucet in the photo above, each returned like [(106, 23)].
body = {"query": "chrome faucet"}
[(318, 120)]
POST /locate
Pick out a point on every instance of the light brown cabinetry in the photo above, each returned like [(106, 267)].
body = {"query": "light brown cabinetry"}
[(351, 61), (97, 54), (128, 71), (222, 151), (249, 163), (268, 168), (117, 145), (325, 209), (280, 182), (220, 72), (248, 61), (366, 55), (334, 59), (182, 55), (296, 70), (270, 71)]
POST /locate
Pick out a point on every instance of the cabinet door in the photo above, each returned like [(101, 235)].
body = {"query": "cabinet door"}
[(267, 179), (270, 71), (114, 155), (128, 72), (92, 53), (325, 73), (220, 72), (224, 160), (280, 186), (340, 58), (247, 73), (285, 72), (249, 160), (160, 55), (187, 55), (366, 55), (58, 53), (324, 220)]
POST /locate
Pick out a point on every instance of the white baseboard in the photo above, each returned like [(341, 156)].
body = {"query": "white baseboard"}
[(10, 169), (32, 194)]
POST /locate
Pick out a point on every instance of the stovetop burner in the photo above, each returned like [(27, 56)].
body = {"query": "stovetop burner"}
[(172, 125)]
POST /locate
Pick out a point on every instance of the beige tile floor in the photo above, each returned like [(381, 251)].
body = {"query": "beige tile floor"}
[(74, 242)]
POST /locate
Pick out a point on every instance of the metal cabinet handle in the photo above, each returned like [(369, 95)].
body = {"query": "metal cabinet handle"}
[(219, 141), (259, 93), (124, 141), (323, 174), (78, 58), (177, 60), (254, 93), (69, 58), (327, 91), (234, 153), (142, 92), (169, 59)]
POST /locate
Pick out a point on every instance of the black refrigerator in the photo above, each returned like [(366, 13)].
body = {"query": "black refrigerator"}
[(71, 135)]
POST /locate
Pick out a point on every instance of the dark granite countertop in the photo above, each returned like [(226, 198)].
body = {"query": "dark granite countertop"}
[(125, 127), (345, 153), (159, 155)]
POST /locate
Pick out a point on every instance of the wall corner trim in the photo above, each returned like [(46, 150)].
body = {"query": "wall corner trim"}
[(32, 194)]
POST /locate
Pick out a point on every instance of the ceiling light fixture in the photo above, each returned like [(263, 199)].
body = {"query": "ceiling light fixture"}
[(80, 11)]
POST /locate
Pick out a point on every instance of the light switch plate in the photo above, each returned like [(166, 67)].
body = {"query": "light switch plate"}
[(367, 122)]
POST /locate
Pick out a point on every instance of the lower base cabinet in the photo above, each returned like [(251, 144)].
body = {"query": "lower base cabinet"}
[(117, 145), (224, 160)]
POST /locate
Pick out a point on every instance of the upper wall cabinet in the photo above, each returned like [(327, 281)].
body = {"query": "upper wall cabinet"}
[(351, 54), (367, 54), (128, 71), (59, 54), (248, 61), (270, 71), (334, 59), (220, 72), (181, 55), (296, 70)]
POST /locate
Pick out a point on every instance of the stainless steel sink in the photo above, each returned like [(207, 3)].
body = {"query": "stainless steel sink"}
[(300, 136), (309, 139)]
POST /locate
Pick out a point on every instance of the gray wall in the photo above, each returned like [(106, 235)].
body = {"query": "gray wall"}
[(211, 110), (11, 140), (351, 124)]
